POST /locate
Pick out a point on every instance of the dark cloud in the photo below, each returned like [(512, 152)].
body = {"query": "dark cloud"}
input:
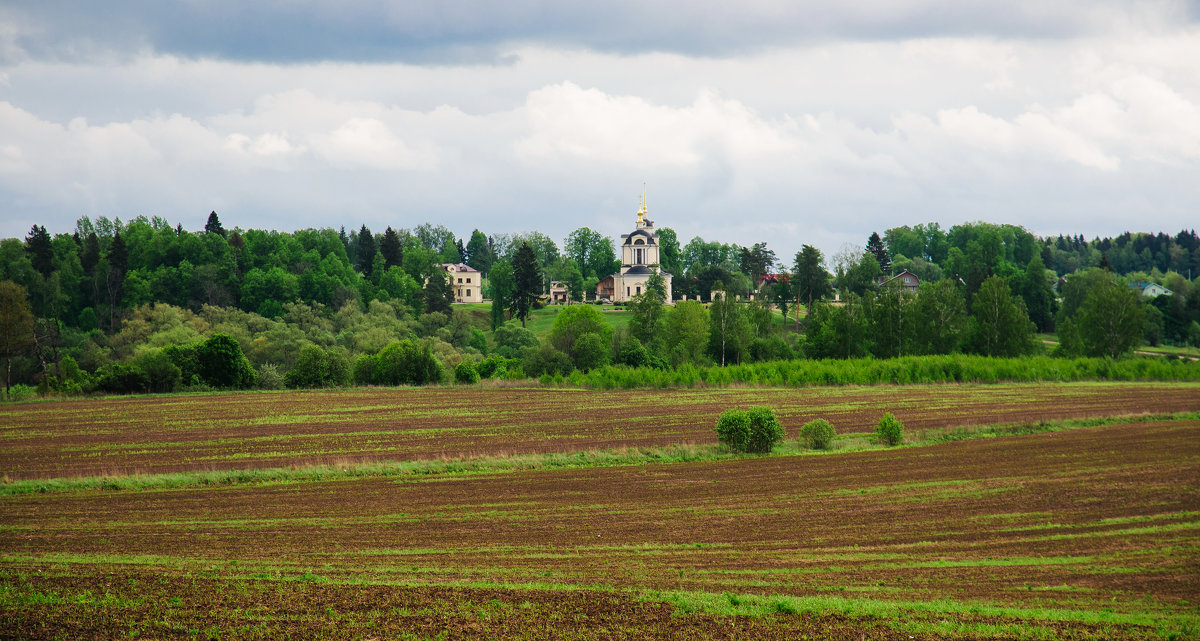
[(457, 31)]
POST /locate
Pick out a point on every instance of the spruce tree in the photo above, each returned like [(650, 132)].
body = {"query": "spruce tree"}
[(391, 248), (37, 245), (213, 226), (366, 250), (527, 275), (876, 247)]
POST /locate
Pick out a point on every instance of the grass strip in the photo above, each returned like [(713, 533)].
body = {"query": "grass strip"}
[(526, 462), (1012, 621)]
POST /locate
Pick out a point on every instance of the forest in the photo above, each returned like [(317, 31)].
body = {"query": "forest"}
[(147, 306)]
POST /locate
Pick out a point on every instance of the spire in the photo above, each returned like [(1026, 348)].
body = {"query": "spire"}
[(642, 212)]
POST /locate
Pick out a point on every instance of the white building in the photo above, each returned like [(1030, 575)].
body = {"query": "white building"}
[(466, 281), (639, 260)]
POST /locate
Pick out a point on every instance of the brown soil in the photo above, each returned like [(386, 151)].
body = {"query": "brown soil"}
[(254, 430), (1052, 520)]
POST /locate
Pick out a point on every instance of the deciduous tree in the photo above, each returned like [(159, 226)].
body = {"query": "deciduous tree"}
[(809, 277), (16, 326), (1000, 325)]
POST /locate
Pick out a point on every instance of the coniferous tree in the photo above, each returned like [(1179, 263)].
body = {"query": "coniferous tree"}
[(875, 246), (439, 293), (213, 226), (527, 281), (479, 252), (366, 250), (37, 245), (391, 248)]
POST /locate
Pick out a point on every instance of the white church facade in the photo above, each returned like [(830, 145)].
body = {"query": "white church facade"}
[(639, 261)]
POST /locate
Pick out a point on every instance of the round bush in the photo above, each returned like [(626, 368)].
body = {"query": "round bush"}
[(890, 431), (818, 434), (755, 430), (465, 372)]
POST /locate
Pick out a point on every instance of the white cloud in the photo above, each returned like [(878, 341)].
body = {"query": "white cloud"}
[(568, 121), (816, 144)]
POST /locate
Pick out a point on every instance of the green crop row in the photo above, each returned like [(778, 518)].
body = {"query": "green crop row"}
[(952, 368)]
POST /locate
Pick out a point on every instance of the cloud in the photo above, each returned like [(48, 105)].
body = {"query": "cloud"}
[(456, 31), (569, 122), (819, 143)]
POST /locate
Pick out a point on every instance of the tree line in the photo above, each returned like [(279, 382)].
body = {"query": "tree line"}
[(78, 305)]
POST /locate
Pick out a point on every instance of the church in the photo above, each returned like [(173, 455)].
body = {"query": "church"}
[(639, 260)]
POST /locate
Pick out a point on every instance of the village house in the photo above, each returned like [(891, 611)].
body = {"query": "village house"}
[(1151, 290), (639, 261), (558, 292), (904, 279), (466, 281)]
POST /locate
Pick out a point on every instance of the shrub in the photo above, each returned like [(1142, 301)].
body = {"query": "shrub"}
[(755, 430), (119, 378), (890, 431), (316, 367), (364, 369), (162, 375), (591, 351), (465, 372), (406, 363), (19, 393), (818, 434), (546, 360), (494, 366), (220, 363), (269, 377)]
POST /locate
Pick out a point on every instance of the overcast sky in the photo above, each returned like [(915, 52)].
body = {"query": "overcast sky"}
[(786, 121)]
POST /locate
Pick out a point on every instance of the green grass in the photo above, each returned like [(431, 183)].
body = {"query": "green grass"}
[(541, 321), (927, 617)]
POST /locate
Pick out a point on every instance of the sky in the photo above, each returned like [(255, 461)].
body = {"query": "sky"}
[(781, 121)]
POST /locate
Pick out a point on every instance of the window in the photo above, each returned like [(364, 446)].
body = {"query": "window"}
[(639, 289), (626, 291), (460, 281), (468, 293), (468, 280)]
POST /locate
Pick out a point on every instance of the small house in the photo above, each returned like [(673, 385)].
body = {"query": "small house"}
[(905, 279)]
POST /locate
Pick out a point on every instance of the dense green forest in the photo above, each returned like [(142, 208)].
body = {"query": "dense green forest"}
[(147, 306)]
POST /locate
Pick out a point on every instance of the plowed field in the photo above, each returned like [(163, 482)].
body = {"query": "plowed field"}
[(1082, 533), (255, 430)]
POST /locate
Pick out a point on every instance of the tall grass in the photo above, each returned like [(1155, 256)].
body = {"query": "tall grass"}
[(953, 368)]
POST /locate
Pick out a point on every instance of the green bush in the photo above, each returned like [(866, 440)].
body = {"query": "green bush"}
[(818, 434), (405, 363), (269, 377), (496, 366), (546, 360), (316, 367), (20, 393), (162, 375), (465, 373), (118, 378), (755, 430), (890, 431)]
